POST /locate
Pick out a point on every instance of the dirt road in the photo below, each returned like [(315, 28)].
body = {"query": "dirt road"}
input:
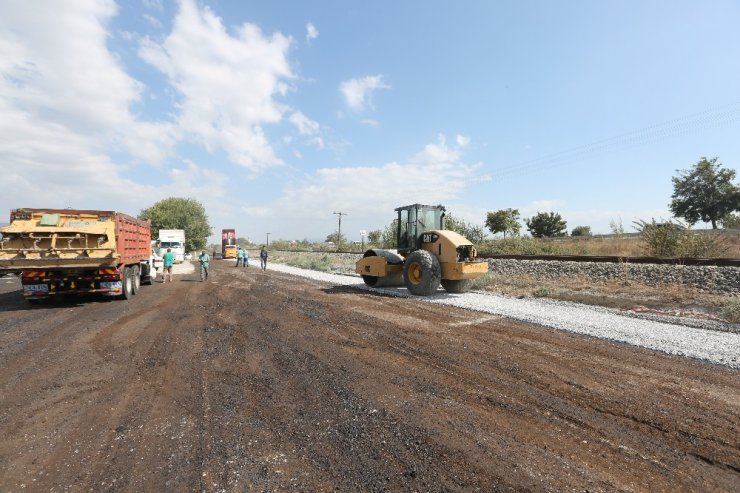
[(264, 382)]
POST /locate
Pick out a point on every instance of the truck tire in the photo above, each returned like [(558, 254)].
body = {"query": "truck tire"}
[(148, 272), (128, 284), (457, 286), (136, 278), (422, 273)]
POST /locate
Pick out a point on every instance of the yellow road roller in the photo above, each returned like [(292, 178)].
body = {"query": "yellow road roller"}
[(427, 255)]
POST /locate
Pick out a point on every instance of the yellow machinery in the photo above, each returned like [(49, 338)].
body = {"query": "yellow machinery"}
[(428, 255), (229, 251)]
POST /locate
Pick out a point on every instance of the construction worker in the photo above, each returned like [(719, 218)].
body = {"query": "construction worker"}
[(204, 260), (168, 260)]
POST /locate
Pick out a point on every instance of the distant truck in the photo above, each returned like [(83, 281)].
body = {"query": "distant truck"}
[(67, 251), (228, 243), (174, 239)]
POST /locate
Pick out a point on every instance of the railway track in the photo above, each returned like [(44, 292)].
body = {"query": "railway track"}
[(718, 262)]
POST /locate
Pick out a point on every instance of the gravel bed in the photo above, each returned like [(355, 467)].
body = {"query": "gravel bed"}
[(708, 344)]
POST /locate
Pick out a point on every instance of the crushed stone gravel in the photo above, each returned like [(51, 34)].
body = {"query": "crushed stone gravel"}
[(715, 343)]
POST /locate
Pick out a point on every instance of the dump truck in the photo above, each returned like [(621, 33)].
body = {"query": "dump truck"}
[(228, 243), (427, 255), (67, 251)]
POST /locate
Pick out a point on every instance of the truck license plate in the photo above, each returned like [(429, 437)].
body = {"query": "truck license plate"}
[(111, 285), (35, 288)]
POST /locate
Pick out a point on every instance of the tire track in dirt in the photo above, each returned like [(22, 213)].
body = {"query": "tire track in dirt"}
[(262, 381)]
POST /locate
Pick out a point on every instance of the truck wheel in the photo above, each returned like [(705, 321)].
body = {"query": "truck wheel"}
[(457, 286), (422, 273), (136, 278), (128, 284), (150, 274)]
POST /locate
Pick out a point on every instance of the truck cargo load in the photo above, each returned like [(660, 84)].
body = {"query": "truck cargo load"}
[(68, 251)]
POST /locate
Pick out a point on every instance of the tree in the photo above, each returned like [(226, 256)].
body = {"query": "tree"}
[(336, 238), (705, 192), (373, 237), (546, 224), (504, 221), (388, 236), (581, 231), (616, 227), (179, 213), (731, 221), (470, 231)]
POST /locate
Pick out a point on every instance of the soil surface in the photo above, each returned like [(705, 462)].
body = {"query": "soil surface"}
[(259, 381)]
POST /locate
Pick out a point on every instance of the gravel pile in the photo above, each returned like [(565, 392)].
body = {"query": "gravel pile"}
[(705, 343)]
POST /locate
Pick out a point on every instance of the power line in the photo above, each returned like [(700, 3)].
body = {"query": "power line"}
[(711, 118), (339, 233)]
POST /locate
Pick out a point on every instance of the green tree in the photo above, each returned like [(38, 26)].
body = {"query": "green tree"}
[(179, 213), (616, 227), (581, 231), (470, 231), (374, 237), (546, 225), (705, 192), (731, 221), (336, 238), (504, 221), (389, 235)]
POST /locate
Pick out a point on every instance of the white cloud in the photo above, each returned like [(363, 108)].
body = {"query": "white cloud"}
[(437, 174), (153, 21), (153, 4), (370, 122), (311, 32), (358, 93), (64, 106), (304, 124), (543, 205), (462, 140), (48, 72), (226, 84), (44, 164)]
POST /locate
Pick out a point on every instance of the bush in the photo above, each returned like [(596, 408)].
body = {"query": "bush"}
[(673, 239), (731, 310), (541, 293), (322, 264), (581, 231), (520, 246), (482, 281)]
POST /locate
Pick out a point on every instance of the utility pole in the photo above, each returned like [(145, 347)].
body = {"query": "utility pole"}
[(268, 239), (339, 235)]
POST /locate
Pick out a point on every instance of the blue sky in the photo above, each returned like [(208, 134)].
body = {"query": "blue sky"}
[(277, 114)]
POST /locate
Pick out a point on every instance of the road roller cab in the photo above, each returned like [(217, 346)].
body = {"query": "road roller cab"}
[(428, 255)]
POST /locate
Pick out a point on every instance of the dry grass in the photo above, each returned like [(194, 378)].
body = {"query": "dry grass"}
[(673, 299), (624, 246)]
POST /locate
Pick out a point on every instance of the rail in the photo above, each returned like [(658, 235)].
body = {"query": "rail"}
[(717, 262)]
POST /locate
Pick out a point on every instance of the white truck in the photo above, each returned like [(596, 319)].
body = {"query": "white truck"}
[(174, 239)]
